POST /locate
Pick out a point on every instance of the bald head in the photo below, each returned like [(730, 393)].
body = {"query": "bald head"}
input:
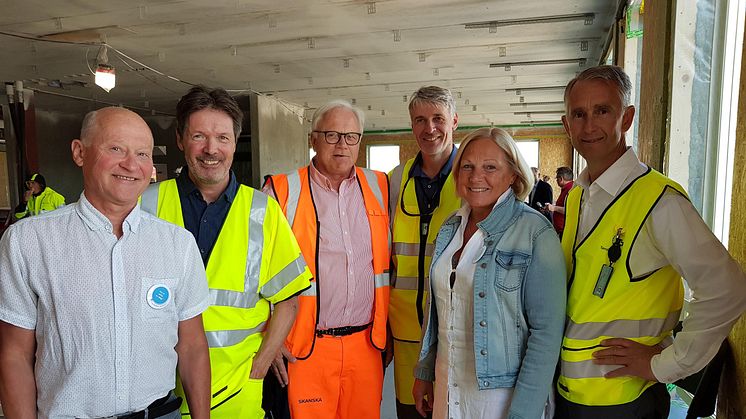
[(94, 119), (115, 152)]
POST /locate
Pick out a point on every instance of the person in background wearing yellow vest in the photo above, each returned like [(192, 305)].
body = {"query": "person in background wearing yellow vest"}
[(38, 198), (100, 302), (250, 255), (630, 235), (423, 195), (339, 215)]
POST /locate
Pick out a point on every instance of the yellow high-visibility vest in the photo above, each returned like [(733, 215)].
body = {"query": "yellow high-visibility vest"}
[(411, 258), (47, 200), (255, 261), (644, 309)]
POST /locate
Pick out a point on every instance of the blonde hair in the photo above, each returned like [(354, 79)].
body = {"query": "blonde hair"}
[(524, 180)]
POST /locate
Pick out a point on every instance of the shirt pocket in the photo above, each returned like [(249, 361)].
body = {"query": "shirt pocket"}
[(158, 299), (510, 270)]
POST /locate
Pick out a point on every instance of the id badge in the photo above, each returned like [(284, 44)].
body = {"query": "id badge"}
[(603, 281)]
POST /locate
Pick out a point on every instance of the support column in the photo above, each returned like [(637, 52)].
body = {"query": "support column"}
[(657, 61)]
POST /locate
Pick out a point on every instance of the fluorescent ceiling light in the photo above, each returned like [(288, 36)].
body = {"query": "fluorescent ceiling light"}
[(529, 113), (587, 19), (580, 61), (524, 104), (519, 89)]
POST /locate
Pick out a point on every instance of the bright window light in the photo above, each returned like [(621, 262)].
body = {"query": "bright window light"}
[(530, 152), (383, 157)]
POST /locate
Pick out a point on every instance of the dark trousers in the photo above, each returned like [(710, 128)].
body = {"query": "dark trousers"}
[(408, 411), (653, 403), (275, 398)]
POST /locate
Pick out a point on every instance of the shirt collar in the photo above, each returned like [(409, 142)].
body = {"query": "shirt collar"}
[(324, 181), (187, 187), (612, 179), (95, 220), (444, 171)]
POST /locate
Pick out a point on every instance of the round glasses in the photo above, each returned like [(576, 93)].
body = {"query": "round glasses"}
[(333, 137)]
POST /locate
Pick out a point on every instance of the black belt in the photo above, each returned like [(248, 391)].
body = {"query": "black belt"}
[(156, 409), (342, 331)]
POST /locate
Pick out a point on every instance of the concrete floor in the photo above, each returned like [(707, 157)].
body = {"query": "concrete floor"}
[(388, 405)]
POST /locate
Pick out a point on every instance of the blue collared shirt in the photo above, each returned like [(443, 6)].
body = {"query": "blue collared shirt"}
[(204, 220), (427, 189)]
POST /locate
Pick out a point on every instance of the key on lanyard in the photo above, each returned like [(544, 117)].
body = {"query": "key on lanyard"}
[(614, 252)]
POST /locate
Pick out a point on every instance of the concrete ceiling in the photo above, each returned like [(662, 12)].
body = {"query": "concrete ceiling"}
[(374, 53)]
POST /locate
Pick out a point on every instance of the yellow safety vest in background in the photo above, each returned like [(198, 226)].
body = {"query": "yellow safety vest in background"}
[(47, 200), (411, 258), (644, 309), (252, 264)]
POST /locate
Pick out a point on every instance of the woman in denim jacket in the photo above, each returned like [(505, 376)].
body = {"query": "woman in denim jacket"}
[(496, 312)]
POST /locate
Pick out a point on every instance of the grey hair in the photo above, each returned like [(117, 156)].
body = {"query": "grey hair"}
[(565, 173), (90, 121), (611, 73), (524, 178), (334, 104), (433, 95)]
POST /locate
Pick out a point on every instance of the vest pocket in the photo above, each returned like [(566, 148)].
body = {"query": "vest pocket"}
[(511, 268)]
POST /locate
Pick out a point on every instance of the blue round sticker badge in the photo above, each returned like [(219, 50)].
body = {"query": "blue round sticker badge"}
[(158, 296)]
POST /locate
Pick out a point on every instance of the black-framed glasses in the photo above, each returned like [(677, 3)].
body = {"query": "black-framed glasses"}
[(333, 137)]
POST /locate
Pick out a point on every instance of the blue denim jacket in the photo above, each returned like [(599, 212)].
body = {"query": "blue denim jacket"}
[(519, 306)]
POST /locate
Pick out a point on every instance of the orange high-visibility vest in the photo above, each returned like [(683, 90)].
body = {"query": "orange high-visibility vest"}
[(293, 192)]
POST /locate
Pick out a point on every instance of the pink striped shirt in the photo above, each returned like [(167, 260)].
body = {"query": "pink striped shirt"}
[(345, 269)]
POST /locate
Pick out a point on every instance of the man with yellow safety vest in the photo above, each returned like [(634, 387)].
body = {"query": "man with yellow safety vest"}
[(422, 196), (251, 257), (630, 235), (338, 213), (38, 198)]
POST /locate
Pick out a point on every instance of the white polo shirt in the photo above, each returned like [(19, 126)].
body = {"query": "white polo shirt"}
[(105, 311)]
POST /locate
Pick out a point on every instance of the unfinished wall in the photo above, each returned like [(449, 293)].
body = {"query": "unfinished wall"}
[(279, 141), (554, 146)]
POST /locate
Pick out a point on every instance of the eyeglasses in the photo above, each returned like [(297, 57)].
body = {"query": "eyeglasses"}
[(333, 137)]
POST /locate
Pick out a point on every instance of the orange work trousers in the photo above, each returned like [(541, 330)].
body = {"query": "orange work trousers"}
[(343, 378)]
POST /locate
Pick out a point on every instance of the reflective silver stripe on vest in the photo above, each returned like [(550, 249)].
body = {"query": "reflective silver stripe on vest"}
[(381, 280), (227, 298), (293, 196), (149, 201), (250, 296), (405, 282), (287, 275), (225, 338), (412, 249), (310, 291), (372, 179), (622, 328), (585, 369)]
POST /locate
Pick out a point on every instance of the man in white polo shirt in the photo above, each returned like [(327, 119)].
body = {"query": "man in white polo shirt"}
[(99, 301)]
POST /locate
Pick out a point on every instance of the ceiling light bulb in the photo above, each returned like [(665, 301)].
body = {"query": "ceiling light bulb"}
[(105, 77)]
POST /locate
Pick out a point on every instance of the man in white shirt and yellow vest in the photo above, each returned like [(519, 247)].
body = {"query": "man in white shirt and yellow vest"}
[(251, 257), (630, 236), (339, 215), (422, 197)]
